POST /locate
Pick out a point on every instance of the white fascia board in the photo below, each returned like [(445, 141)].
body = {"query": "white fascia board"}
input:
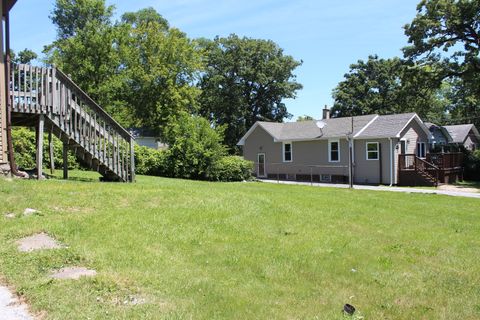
[(420, 123), (241, 142)]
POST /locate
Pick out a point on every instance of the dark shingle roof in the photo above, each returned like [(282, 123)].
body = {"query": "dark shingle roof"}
[(368, 126), (387, 126), (459, 132), (305, 130)]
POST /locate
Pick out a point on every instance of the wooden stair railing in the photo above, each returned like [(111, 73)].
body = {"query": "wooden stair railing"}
[(78, 120), (423, 168), (427, 170)]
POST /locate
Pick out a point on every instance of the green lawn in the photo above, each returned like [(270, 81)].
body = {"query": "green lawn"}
[(201, 250)]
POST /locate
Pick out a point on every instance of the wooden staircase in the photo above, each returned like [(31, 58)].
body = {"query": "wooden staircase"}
[(49, 98), (415, 171)]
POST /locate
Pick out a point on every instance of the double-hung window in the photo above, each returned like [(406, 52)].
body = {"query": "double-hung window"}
[(287, 152), (421, 149), (334, 150), (372, 151)]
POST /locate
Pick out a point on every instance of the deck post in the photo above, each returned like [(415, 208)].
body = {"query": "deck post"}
[(132, 160), (65, 160), (51, 153), (39, 138)]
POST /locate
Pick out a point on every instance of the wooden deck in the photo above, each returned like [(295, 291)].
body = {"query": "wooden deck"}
[(434, 169), (49, 100)]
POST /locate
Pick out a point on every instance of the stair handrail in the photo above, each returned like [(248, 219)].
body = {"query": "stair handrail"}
[(69, 82), (49, 90), (427, 165)]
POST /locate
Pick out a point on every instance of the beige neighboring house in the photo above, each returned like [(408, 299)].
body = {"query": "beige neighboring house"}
[(146, 138), (319, 150), (464, 134)]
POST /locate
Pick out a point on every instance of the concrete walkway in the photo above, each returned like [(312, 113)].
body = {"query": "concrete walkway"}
[(382, 188), (11, 308)]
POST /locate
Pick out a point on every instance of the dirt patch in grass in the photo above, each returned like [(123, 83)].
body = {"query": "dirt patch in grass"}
[(73, 273), (39, 241), (72, 209)]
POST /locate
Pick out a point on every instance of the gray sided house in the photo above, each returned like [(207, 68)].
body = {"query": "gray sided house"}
[(464, 134), (319, 150)]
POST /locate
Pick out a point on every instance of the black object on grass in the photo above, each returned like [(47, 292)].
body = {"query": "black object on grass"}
[(349, 309)]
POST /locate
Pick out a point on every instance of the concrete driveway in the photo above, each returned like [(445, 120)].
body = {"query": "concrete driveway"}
[(11, 308), (454, 193)]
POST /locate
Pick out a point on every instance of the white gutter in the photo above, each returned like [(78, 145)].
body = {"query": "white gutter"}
[(391, 162)]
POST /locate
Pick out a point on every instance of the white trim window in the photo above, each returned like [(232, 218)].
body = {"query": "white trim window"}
[(287, 151), (421, 150), (334, 150), (372, 151)]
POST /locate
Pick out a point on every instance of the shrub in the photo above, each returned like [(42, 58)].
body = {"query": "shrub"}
[(231, 168), (472, 165), (25, 150), (195, 152), (194, 147), (149, 161)]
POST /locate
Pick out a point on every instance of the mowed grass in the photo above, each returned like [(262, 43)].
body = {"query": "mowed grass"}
[(200, 250)]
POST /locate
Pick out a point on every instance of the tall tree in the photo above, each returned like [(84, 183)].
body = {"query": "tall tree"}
[(70, 16), (26, 56), (445, 34), (385, 86), (245, 80), (160, 65), (88, 47)]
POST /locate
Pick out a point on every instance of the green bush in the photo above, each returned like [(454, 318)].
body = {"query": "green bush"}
[(472, 165), (194, 147), (149, 161), (232, 168), (195, 151), (26, 153)]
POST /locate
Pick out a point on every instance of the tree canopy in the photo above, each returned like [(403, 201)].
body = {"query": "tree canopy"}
[(139, 69), (304, 118), (386, 86), (445, 35), (245, 80), (70, 16), (160, 66)]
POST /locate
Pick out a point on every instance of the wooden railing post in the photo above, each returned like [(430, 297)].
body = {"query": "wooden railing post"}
[(132, 160), (65, 160), (40, 128), (51, 151)]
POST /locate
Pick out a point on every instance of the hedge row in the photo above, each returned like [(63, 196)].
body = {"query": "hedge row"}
[(162, 163), (25, 151)]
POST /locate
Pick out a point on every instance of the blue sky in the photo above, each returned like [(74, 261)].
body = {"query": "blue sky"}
[(327, 35)]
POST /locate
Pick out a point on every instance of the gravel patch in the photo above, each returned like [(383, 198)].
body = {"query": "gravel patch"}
[(39, 241)]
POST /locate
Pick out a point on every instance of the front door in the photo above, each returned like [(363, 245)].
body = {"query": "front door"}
[(261, 165)]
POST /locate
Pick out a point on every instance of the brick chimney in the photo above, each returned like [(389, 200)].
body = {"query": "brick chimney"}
[(326, 113)]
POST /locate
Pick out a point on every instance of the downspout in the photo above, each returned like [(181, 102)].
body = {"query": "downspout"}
[(11, 157), (391, 162)]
